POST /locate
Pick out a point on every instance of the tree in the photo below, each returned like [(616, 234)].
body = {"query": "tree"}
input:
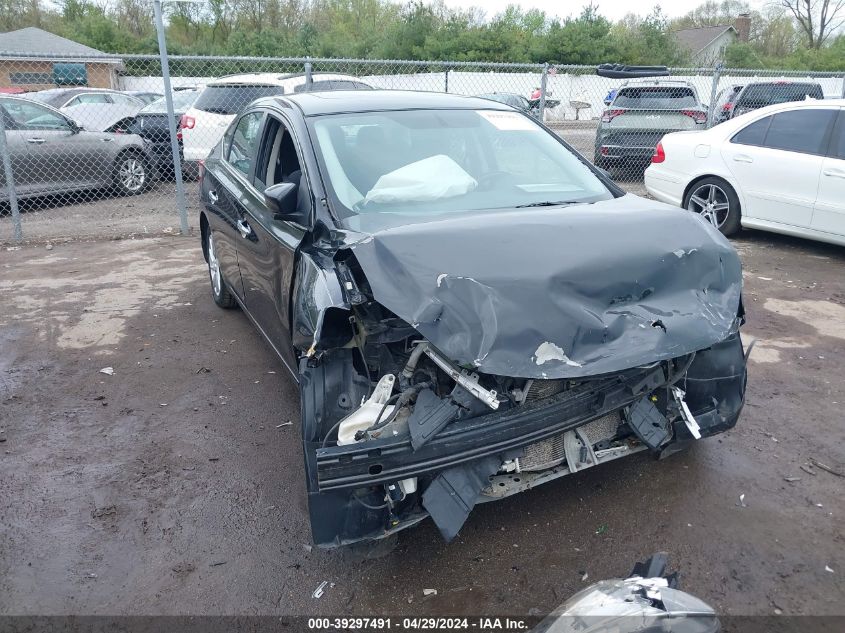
[(817, 19), (711, 13), (582, 40)]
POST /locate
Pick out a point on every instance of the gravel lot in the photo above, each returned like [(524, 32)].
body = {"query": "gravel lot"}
[(169, 488)]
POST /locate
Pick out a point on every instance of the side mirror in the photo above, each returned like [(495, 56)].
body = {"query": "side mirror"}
[(281, 200), (75, 128)]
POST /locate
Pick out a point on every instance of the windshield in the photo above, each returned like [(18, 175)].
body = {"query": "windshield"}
[(232, 98), (444, 161), (656, 98), (761, 95), (182, 100)]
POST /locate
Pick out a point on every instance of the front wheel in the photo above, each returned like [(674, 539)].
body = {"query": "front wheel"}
[(717, 202), (131, 174), (219, 290)]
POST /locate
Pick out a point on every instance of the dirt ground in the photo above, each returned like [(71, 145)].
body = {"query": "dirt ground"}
[(170, 487)]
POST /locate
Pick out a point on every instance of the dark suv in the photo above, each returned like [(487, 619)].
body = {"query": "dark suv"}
[(760, 94), (640, 114)]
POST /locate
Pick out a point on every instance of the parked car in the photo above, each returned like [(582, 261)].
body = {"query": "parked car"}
[(151, 124), (640, 114), (468, 306), (145, 96), (51, 154), (61, 98), (759, 94), (515, 101), (780, 168), (221, 100), (104, 117), (724, 103)]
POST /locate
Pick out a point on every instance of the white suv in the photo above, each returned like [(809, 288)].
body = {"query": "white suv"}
[(203, 125)]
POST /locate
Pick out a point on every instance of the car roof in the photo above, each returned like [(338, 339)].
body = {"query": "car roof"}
[(652, 83), (337, 101), (783, 82), (276, 79), (23, 99)]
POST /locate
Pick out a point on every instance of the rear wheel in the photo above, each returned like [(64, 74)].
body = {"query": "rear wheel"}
[(131, 174), (219, 290), (715, 201)]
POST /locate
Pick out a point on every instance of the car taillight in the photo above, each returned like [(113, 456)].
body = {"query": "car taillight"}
[(659, 155), (697, 115), (608, 115), (187, 122), (727, 107)]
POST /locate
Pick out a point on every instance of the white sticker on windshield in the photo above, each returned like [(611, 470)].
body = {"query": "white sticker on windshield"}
[(507, 120)]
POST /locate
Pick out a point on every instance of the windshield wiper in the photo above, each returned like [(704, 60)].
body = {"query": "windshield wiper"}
[(550, 203)]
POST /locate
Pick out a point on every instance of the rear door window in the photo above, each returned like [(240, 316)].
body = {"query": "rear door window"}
[(232, 98), (806, 131), (837, 149), (244, 143), (762, 95), (94, 97), (656, 98), (754, 133)]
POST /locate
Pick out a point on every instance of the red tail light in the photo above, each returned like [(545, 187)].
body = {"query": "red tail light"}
[(608, 115), (659, 155), (727, 107), (698, 115), (187, 122)]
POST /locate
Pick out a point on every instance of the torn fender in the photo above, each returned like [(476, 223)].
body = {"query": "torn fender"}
[(318, 299), (560, 292)]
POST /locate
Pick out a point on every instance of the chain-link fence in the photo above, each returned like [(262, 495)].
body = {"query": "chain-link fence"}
[(88, 148)]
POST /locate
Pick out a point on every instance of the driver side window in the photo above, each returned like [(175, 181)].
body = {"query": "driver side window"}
[(30, 116), (244, 143)]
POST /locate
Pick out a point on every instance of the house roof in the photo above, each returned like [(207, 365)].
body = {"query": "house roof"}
[(35, 42), (696, 40)]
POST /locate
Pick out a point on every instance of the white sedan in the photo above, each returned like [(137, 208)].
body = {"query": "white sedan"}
[(779, 168)]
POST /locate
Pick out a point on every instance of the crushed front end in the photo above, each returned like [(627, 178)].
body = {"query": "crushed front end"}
[(430, 384)]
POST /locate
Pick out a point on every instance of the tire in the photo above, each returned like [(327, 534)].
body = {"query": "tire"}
[(219, 288), (716, 201), (132, 174)]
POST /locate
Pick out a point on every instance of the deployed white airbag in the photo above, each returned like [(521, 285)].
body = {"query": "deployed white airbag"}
[(432, 178)]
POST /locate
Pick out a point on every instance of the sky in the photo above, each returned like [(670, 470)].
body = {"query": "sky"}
[(611, 9)]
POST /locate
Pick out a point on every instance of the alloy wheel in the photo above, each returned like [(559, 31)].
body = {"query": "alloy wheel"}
[(132, 174), (711, 202)]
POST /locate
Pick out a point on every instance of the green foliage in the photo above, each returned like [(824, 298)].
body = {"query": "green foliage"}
[(416, 30)]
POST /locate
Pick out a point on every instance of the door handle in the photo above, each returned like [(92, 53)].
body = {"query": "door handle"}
[(36, 141), (212, 195), (742, 158), (835, 173), (244, 228)]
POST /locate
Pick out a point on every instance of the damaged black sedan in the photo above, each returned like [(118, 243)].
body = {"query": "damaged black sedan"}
[(470, 308)]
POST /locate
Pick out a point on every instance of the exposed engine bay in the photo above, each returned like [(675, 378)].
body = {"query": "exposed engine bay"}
[(401, 432)]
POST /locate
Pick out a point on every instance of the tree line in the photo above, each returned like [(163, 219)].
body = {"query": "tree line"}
[(794, 34)]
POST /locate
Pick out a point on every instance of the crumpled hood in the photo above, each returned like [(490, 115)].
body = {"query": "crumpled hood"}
[(559, 292)]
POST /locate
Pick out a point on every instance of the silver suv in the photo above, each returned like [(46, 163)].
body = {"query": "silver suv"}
[(639, 115)]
